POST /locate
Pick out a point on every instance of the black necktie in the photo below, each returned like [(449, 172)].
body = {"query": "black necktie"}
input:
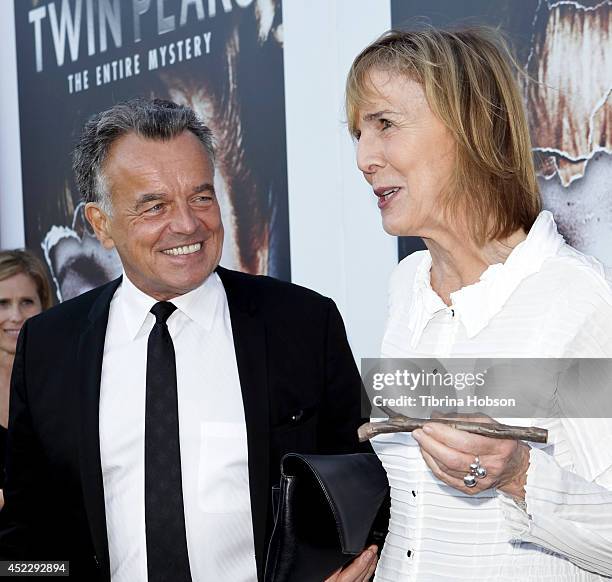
[(167, 557)]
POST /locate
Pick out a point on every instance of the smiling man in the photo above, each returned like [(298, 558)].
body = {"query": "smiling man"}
[(164, 220), (148, 416)]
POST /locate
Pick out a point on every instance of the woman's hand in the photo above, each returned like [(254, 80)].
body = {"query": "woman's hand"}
[(359, 570), (448, 452)]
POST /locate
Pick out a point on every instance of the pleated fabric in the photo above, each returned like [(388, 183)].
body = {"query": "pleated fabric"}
[(546, 301)]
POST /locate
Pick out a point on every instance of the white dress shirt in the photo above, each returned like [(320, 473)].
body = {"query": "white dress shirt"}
[(546, 300), (212, 435)]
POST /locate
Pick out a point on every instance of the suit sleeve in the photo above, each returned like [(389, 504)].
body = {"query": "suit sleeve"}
[(344, 400), (24, 487)]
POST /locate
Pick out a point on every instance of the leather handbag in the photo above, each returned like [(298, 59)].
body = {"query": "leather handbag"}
[(324, 512)]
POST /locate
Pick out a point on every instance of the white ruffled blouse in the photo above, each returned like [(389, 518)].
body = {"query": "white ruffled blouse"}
[(546, 300)]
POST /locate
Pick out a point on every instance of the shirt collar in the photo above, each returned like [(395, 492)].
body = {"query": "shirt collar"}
[(200, 305), (478, 303)]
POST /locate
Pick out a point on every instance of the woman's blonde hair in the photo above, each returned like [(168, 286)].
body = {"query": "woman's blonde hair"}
[(469, 85), (16, 262)]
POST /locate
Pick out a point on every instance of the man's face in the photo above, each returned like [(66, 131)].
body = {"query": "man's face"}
[(165, 224)]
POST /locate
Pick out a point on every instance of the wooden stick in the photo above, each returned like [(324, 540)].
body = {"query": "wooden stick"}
[(401, 423)]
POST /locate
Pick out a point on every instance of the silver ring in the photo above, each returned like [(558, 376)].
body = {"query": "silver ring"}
[(477, 471), (469, 480)]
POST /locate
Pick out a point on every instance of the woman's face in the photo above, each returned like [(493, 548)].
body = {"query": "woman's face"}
[(406, 154), (18, 300)]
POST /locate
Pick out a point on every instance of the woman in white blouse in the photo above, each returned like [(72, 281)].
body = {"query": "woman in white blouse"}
[(443, 140)]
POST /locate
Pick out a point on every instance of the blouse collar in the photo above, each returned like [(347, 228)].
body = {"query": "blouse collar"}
[(478, 303)]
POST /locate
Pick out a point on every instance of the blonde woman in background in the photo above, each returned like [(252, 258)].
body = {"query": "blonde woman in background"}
[(443, 140), (24, 292)]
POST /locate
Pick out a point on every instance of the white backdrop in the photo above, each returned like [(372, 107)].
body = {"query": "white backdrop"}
[(337, 244), (11, 206)]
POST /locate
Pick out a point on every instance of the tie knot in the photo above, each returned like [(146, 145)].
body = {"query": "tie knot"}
[(162, 311)]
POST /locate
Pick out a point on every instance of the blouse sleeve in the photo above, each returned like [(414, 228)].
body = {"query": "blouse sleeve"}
[(568, 510), (564, 513)]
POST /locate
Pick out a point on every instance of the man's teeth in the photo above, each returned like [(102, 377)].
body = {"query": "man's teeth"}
[(186, 250), (390, 191)]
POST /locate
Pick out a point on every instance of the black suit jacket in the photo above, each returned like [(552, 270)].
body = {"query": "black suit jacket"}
[(301, 392)]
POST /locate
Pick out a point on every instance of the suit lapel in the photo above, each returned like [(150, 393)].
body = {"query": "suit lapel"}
[(90, 352), (249, 334)]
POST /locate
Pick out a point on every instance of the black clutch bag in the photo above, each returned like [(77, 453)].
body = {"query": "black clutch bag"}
[(325, 509)]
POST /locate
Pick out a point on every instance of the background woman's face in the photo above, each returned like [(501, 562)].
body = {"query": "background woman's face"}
[(406, 153), (18, 300)]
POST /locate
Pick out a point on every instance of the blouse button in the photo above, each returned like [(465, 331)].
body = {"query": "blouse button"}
[(409, 553)]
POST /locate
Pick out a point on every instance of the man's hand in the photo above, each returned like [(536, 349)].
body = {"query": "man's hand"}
[(359, 570)]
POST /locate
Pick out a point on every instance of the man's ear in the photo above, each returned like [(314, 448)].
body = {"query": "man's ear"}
[(100, 222)]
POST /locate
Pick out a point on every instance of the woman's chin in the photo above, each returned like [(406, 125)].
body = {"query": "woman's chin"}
[(394, 229), (8, 350)]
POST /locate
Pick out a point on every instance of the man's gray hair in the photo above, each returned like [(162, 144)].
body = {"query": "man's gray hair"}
[(155, 119)]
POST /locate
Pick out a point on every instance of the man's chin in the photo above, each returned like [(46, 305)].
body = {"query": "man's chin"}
[(177, 287)]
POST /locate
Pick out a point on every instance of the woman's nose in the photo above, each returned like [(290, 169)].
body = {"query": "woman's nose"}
[(16, 313), (369, 155)]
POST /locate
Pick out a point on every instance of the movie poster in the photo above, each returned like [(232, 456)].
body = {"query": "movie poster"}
[(223, 58), (565, 47)]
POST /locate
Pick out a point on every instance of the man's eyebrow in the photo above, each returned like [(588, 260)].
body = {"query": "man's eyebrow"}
[(206, 187), (378, 115), (157, 196), (149, 197)]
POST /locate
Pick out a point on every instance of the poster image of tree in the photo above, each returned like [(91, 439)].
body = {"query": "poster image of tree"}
[(565, 47), (223, 58)]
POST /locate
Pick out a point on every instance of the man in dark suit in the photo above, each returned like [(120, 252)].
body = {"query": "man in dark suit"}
[(148, 416)]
